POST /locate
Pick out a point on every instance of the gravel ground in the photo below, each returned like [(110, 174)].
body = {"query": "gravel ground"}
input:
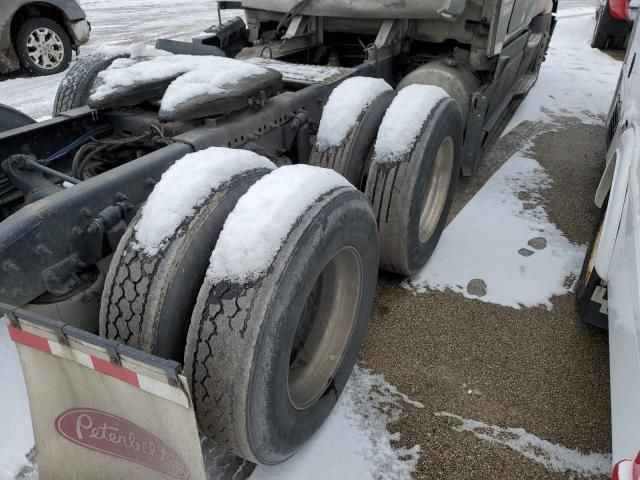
[(531, 368)]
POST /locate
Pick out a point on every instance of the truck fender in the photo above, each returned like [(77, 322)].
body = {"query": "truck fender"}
[(71, 10), (455, 78), (614, 183)]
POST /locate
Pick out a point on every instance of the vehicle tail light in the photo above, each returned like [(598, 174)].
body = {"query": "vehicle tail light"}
[(627, 470), (619, 9)]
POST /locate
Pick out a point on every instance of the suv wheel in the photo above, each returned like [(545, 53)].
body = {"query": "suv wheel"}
[(43, 47)]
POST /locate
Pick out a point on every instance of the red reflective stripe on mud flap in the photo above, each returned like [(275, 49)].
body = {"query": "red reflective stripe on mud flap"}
[(102, 366), (116, 371), (29, 339)]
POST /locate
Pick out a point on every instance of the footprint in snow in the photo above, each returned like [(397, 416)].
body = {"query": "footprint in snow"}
[(538, 243)]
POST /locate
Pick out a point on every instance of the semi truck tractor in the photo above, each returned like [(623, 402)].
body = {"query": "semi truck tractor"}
[(190, 245)]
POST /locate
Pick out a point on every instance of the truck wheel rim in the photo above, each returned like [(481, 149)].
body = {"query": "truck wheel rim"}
[(45, 48), (437, 189), (325, 328)]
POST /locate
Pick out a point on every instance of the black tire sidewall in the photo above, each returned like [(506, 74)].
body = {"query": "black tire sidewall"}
[(179, 270), (364, 136), (350, 158), (275, 428), (187, 264), (397, 192), (447, 122), (21, 45)]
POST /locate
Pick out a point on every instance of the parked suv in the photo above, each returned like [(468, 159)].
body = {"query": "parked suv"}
[(40, 36)]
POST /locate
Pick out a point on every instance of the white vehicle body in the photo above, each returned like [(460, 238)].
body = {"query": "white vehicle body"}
[(617, 262)]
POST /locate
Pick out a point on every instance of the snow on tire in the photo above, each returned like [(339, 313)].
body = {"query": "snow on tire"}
[(411, 181), (349, 126), (161, 261), (282, 313)]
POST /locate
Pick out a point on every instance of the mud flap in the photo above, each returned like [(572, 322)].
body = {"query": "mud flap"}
[(103, 410)]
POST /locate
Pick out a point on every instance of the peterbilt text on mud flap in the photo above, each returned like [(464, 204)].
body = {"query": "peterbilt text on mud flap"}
[(177, 204)]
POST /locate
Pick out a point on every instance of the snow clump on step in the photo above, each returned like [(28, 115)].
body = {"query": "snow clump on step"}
[(404, 120), (258, 226), (345, 105), (185, 186)]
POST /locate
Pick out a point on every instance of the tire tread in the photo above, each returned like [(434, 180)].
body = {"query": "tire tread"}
[(75, 88)]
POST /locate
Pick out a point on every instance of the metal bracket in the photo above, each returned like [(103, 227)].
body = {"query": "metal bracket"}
[(58, 330), (300, 25), (13, 320), (112, 350), (389, 40)]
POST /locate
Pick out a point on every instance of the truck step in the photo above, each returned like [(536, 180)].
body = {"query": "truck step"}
[(303, 74), (524, 84)]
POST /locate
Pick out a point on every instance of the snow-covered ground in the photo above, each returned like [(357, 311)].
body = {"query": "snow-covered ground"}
[(501, 247), (355, 443)]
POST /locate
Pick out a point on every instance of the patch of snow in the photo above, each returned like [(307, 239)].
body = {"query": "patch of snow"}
[(503, 239), (108, 51), (552, 456), (140, 50), (404, 120), (297, 72), (185, 186), (345, 104), (354, 443), (15, 417), (575, 80), (204, 74), (209, 78), (259, 224)]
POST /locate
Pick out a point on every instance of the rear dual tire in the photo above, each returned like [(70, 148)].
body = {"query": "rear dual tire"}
[(248, 344), (148, 299), (411, 198), (245, 348), (350, 159)]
